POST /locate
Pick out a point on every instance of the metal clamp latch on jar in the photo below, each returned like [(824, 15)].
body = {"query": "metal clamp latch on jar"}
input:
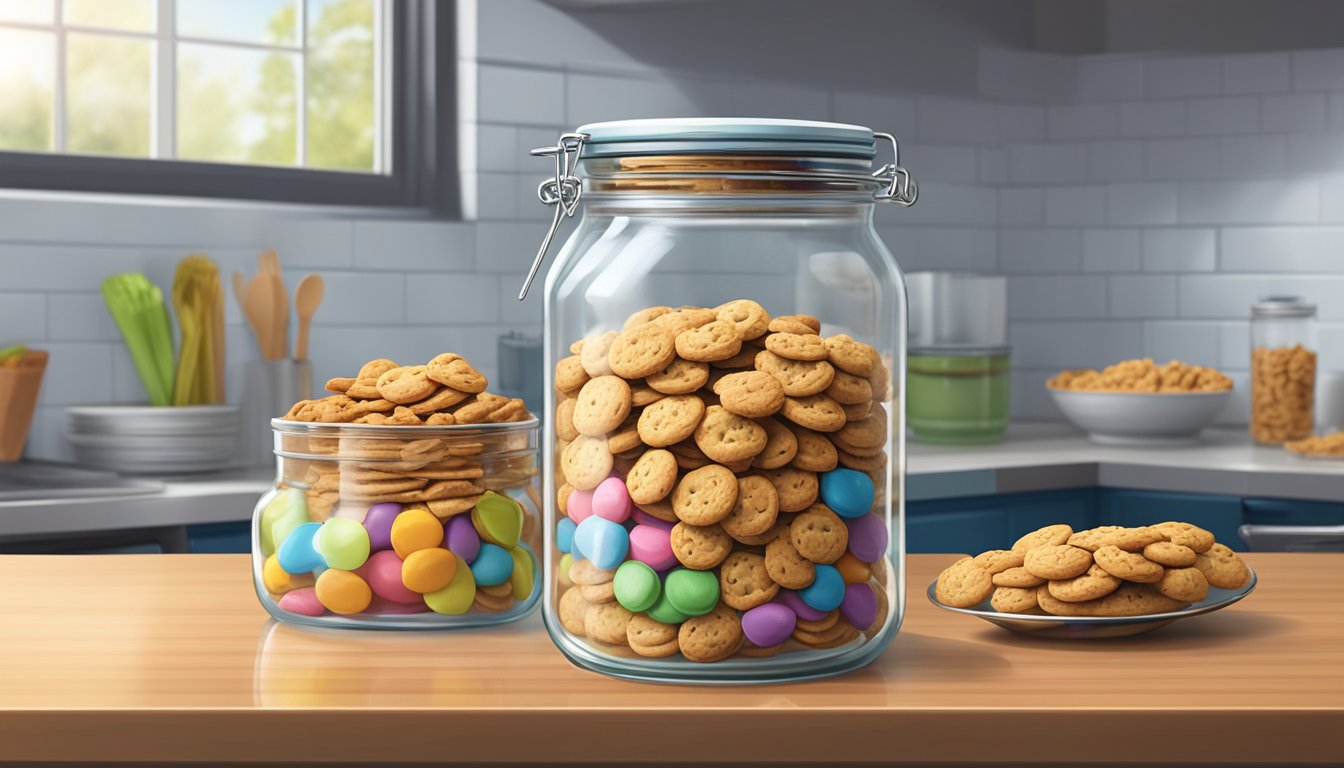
[(565, 189)]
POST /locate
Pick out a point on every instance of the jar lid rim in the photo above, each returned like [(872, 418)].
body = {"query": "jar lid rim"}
[(726, 134), (1282, 306)]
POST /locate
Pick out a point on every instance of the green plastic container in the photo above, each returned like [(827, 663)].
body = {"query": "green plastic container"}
[(958, 396)]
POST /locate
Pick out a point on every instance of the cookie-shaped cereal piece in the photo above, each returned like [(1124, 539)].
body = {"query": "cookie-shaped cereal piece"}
[(997, 561), (964, 585), (1090, 586), (607, 622), (570, 375), (601, 406), (594, 354), (819, 534), (1050, 535), (865, 433), (797, 489), (1133, 539), (652, 477), (1170, 554), (670, 420), (874, 463), (1128, 600), (682, 377), (816, 452), (709, 343), (1014, 600), (453, 371), (585, 574), (857, 412), (1058, 561), (338, 385), (573, 610), (406, 384), (700, 547), (598, 593), (651, 639), (1186, 535), (753, 394), (744, 582), (365, 386), (641, 351), (749, 319), (705, 496), (1016, 577), (586, 462), (643, 316), (804, 324), (1222, 568), (799, 378), (1185, 584), (756, 509), (848, 389), (785, 566), (839, 634), (684, 319), (726, 437), (797, 346), (444, 398), (1129, 566), (712, 637), (816, 412), (781, 446), (851, 356), (642, 394), (1093, 539)]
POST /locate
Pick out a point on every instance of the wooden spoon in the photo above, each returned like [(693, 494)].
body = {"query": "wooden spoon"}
[(306, 299), (240, 290), (261, 306), (269, 261)]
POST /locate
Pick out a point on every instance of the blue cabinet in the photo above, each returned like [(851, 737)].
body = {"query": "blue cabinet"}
[(220, 538)]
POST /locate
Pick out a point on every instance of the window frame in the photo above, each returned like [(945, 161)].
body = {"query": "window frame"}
[(420, 118)]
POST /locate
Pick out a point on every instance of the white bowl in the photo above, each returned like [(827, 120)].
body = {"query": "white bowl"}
[(1140, 418)]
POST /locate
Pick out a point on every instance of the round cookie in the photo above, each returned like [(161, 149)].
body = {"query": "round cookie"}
[(1090, 586), (851, 356), (712, 637), (794, 324), (573, 609), (594, 355), (864, 433), (598, 593), (797, 346), (570, 375), (586, 462), (819, 534), (753, 394), (1185, 584), (1016, 577), (642, 394), (964, 585), (848, 389), (816, 452), (816, 412), (682, 377), (1133, 539), (1170, 554), (756, 509), (1014, 600), (643, 316), (1129, 566), (749, 319), (700, 547), (1222, 568), (744, 582), (405, 385), (797, 489), (652, 477), (1187, 535), (705, 496), (786, 566), (997, 561), (607, 622), (781, 445), (799, 378), (709, 343), (453, 371), (1050, 535), (641, 351), (651, 639), (728, 438), (602, 405), (1057, 561), (670, 420), (1128, 600), (444, 398), (1093, 539), (585, 574)]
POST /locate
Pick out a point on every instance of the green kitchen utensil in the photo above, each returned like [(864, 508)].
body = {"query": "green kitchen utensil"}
[(137, 306)]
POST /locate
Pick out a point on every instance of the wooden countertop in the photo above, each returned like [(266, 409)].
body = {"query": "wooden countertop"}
[(170, 658)]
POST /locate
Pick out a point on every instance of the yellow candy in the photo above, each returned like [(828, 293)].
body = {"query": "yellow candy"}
[(456, 598), (524, 571), (566, 562), (278, 582), (414, 530), (428, 570), (343, 592)]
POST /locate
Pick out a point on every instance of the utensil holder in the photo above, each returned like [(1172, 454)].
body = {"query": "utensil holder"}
[(19, 387), (270, 388)]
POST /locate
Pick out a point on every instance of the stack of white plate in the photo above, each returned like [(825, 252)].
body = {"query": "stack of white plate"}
[(138, 439)]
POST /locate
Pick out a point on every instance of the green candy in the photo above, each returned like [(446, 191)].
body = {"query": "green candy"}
[(566, 562), (286, 511), (664, 612), (637, 587), (498, 519), (524, 572), (344, 543), (693, 593), (456, 598)]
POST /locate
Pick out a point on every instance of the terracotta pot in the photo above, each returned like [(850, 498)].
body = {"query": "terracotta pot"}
[(18, 399)]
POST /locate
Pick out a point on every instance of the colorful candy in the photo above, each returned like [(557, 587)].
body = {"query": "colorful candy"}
[(383, 572), (302, 601), (428, 570), (415, 529), (611, 500), (859, 605), (498, 519), (602, 541), (277, 581), (344, 543), (460, 536), (579, 506), (566, 563), (644, 518), (637, 586), (524, 572), (281, 515), (663, 611), (867, 538), (492, 566), (652, 546), (378, 522), (564, 535), (343, 592), (791, 599), (852, 569), (849, 493), (297, 554), (456, 598), (693, 593), (826, 591), (769, 624)]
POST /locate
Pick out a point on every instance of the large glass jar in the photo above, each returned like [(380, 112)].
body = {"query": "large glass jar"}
[(399, 527), (1283, 369), (725, 347)]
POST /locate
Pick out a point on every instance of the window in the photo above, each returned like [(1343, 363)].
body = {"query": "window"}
[(301, 100)]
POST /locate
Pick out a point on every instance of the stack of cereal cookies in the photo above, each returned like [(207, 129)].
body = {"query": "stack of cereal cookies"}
[(1106, 571), (722, 479)]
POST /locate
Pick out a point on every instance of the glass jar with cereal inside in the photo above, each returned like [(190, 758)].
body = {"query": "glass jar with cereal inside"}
[(725, 346), (1283, 369)]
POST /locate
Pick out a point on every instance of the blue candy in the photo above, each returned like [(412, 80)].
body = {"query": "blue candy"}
[(601, 541), (848, 492), (826, 591), (494, 565), (298, 553), (564, 535)]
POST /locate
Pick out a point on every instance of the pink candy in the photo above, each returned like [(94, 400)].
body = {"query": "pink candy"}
[(383, 572), (579, 505), (652, 546), (644, 518), (610, 500), (303, 602)]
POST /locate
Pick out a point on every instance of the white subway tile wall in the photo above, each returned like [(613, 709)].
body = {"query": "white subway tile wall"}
[(1139, 204)]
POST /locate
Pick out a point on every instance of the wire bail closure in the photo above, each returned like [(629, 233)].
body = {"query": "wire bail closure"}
[(896, 186)]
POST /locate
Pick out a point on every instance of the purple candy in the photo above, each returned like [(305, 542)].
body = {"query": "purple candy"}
[(769, 624), (867, 538), (462, 539), (859, 606), (378, 522), (791, 599), (644, 518)]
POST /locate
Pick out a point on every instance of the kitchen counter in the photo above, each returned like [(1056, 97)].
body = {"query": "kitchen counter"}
[(171, 658)]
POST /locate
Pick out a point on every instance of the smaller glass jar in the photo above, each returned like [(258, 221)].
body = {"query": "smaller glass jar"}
[(1283, 369), (400, 527), (958, 395)]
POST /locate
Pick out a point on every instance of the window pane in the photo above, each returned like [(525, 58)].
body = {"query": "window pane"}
[(236, 105), (340, 93), (27, 89), (130, 15), (28, 11), (250, 21), (107, 95)]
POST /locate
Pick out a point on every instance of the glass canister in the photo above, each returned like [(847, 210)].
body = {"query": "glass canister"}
[(959, 395), (725, 347), (400, 527), (1283, 369)]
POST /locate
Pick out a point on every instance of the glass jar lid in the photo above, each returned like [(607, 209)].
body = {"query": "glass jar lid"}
[(1282, 307), (714, 135)]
